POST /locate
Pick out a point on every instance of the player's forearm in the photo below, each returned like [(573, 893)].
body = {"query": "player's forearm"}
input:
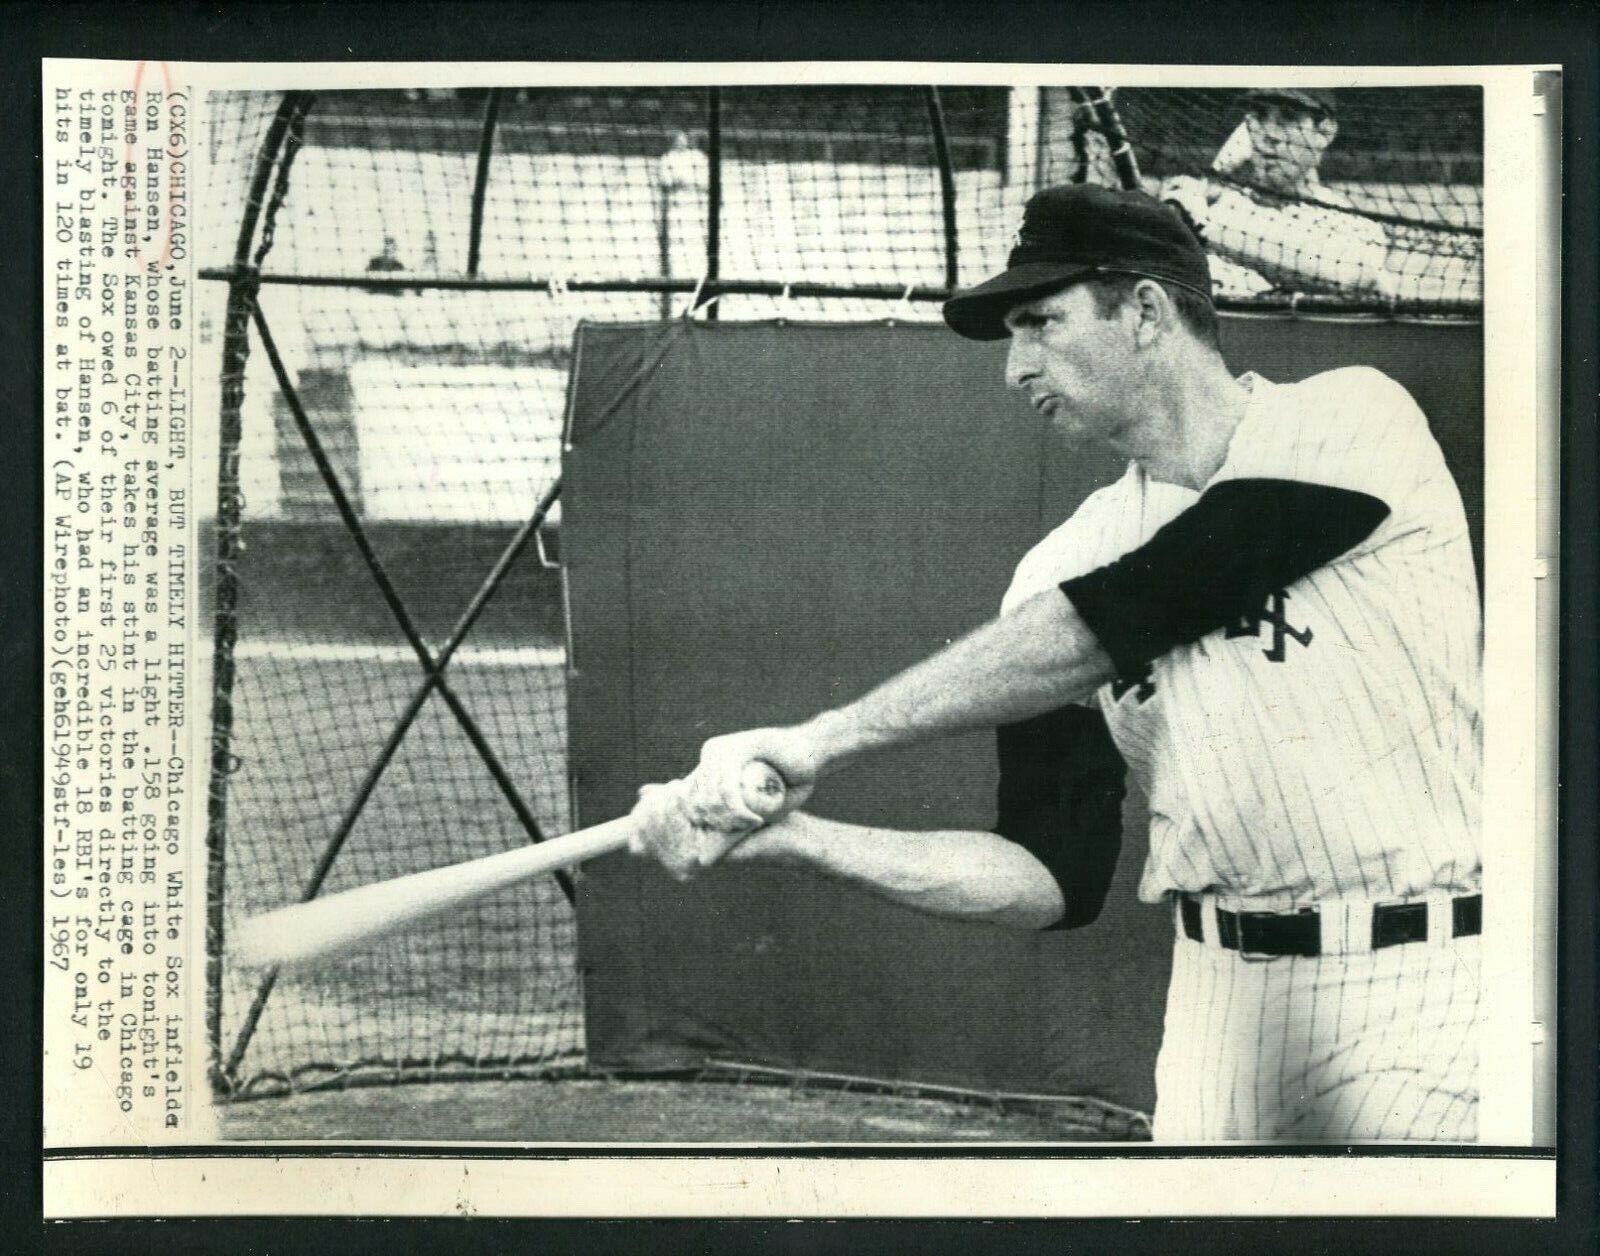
[(953, 873), (1032, 660)]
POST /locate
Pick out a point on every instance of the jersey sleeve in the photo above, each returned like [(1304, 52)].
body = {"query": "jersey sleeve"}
[(1060, 794), (1215, 563)]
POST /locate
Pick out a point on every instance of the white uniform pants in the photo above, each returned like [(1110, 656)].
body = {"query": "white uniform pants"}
[(1336, 1048)]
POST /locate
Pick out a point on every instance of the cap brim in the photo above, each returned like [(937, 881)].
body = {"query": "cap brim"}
[(980, 313), (1309, 101)]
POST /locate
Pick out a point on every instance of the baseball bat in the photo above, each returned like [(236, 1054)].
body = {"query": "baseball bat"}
[(341, 922)]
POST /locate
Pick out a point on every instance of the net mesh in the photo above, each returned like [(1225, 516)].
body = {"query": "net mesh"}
[(1368, 195), (424, 259)]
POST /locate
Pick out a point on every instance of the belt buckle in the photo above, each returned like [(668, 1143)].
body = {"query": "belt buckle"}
[(1256, 957), (1252, 957)]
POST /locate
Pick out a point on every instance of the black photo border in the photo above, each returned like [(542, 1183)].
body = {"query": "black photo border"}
[(1359, 32)]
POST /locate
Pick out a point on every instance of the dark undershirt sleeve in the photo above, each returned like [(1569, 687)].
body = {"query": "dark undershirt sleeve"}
[(1062, 780), (1217, 562)]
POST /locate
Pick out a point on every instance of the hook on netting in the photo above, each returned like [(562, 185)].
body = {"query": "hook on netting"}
[(784, 304), (694, 299), (902, 307)]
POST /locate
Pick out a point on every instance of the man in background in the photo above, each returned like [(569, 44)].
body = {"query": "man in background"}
[(1265, 209), (386, 263)]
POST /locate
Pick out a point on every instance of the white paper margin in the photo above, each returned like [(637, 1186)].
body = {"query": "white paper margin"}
[(1517, 329)]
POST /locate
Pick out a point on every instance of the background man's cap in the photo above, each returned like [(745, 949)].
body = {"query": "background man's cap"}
[(1073, 232), (1312, 99)]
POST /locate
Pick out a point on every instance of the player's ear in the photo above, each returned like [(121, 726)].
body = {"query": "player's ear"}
[(1153, 311), (1328, 128)]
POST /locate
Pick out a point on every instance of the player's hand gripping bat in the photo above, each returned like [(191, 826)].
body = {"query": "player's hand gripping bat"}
[(342, 922)]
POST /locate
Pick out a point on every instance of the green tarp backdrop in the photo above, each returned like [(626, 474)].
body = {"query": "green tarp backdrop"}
[(761, 520)]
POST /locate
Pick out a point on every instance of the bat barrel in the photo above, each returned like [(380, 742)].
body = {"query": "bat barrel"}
[(309, 930), (340, 922)]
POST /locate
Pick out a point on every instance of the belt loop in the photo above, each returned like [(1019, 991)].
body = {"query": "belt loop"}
[(1358, 925), (1208, 920), (1441, 919), (1334, 921)]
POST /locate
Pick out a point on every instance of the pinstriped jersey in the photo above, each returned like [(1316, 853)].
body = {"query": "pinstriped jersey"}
[(1326, 745)]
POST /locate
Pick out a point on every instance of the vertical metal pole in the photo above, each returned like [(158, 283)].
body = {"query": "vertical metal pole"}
[(1081, 121), (1105, 114), (242, 289), (947, 187), (713, 195), (480, 184)]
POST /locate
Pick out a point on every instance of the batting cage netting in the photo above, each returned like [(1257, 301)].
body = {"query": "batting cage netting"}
[(397, 278), (1369, 195)]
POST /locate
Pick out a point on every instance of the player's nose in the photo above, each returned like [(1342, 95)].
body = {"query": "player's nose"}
[(1022, 363)]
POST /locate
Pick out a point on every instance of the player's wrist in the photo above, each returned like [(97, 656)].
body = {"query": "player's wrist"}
[(833, 738), (784, 841)]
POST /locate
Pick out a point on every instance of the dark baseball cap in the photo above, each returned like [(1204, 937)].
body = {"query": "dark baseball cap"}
[(1313, 100), (1074, 232)]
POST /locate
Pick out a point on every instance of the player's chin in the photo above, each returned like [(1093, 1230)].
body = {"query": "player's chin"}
[(1281, 178), (1070, 427)]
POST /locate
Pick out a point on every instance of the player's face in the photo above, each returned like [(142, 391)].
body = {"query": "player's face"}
[(1286, 143), (1071, 363)]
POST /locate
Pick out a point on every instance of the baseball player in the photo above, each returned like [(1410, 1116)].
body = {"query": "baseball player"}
[(1271, 619), (1265, 207)]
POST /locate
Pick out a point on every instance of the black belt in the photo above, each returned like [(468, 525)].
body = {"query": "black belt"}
[(1300, 932)]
